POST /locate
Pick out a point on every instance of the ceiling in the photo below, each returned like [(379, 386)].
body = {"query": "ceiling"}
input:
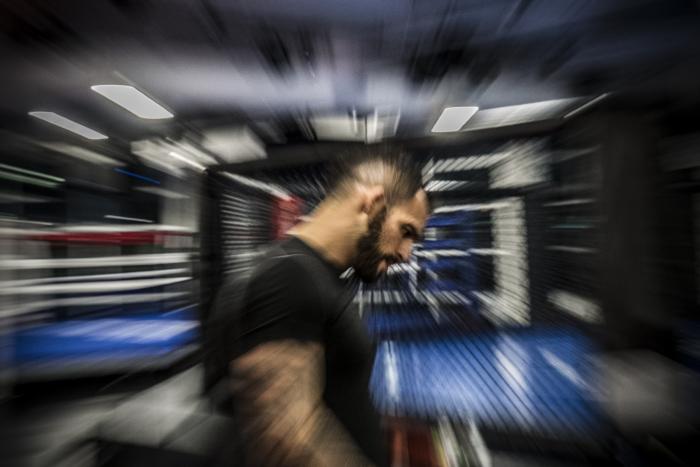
[(276, 65)]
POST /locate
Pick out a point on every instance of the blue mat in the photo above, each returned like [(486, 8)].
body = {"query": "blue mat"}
[(95, 338), (535, 380)]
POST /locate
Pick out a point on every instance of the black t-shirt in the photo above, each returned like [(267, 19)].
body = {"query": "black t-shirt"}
[(295, 293)]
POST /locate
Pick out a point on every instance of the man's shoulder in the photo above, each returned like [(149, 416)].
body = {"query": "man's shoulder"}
[(279, 271), (283, 258)]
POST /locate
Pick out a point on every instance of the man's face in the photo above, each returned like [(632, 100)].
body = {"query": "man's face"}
[(390, 237)]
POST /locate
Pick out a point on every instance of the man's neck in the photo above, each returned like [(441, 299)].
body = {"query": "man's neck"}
[(325, 233)]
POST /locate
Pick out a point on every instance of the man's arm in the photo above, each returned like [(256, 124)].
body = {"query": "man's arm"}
[(278, 386)]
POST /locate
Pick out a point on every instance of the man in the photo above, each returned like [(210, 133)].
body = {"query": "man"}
[(303, 360)]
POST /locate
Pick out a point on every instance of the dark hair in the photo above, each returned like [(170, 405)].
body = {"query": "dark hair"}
[(383, 165)]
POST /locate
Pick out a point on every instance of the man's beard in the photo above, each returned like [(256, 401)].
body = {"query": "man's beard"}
[(369, 256)]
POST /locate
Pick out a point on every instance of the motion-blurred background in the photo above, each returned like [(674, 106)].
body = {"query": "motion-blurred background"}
[(152, 148)]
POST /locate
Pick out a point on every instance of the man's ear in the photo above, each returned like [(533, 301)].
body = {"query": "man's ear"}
[(372, 199)]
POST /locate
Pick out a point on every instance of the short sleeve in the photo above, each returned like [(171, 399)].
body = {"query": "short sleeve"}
[(281, 301)]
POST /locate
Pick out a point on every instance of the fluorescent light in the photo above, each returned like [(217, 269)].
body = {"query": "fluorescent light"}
[(445, 185), (133, 100), (31, 172), (14, 197), (270, 188), (82, 154), (67, 124), (570, 202), (453, 119), (187, 161), (469, 162), (25, 179), (122, 218), (473, 207), (22, 221)]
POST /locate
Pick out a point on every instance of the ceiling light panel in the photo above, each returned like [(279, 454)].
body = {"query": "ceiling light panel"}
[(133, 100), (338, 128), (68, 124), (523, 113), (453, 119)]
